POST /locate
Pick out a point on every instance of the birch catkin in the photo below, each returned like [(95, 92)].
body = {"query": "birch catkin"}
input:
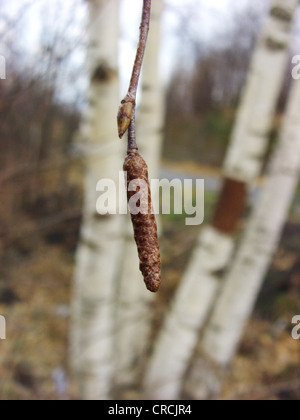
[(144, 223), (143, 219)]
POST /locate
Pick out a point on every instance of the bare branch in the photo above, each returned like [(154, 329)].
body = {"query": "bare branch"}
[(127, 107), (132, 146)]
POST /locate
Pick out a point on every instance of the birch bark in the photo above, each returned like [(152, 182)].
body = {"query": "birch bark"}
[(99, 251), (250, 135), (246, 275)]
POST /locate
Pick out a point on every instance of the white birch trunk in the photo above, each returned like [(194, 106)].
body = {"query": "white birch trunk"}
[(200, 284), (247, 273), (179, 334), (134, 311), (254, 120), (98, 255), (244, 279)]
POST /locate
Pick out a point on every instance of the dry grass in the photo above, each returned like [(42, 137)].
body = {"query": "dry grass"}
[(37, 325)]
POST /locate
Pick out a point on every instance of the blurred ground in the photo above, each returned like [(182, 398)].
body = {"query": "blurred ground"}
[(37, 267)]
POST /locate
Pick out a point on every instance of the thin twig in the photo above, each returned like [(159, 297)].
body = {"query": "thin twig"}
[(144, 30), (132, 146), (127, 108)]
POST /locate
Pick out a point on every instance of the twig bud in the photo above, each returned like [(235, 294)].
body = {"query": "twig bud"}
[(124, 117)]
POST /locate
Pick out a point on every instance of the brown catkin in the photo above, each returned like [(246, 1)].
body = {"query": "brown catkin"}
[(144, 225)]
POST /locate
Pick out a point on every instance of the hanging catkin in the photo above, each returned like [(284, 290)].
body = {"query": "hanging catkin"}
[(143, 219), (144, 223)]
